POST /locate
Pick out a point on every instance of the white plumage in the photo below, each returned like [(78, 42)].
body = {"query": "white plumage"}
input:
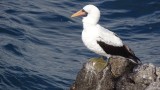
[(100, 40), (93, 32)]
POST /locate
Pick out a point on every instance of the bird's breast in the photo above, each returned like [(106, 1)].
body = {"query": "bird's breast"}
[(89, 36), (89, 39)]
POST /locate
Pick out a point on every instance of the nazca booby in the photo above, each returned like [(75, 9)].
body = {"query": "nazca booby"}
[(99, 39)]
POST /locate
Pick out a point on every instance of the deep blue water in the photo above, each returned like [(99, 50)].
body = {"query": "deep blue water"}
[(41, 47)]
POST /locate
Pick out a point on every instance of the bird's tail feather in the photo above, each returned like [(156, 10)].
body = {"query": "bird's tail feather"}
[(135, 59)]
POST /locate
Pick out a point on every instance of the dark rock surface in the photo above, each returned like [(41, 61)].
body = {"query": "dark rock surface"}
[(117, 74)]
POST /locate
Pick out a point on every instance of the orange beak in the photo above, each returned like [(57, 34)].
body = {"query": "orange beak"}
[(79, 13)]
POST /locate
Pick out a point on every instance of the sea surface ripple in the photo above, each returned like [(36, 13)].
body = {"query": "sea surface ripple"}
[(41, 47)]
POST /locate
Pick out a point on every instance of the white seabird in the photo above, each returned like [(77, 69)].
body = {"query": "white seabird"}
[(99, 39)]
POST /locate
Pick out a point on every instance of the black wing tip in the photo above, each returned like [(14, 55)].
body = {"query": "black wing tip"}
[(135, 60), (123, 51)]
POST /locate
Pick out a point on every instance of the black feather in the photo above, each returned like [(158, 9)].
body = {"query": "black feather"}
[(124, 51)]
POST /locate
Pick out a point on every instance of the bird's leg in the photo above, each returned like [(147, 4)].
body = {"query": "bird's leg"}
[(103, 57), (109, 58)]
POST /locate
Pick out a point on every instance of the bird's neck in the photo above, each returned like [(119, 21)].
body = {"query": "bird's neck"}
[(90, 21)]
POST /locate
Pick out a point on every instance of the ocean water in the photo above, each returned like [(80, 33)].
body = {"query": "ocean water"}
[(41, 47)]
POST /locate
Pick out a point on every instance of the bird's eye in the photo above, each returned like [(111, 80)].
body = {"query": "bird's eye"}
[(83, 10)]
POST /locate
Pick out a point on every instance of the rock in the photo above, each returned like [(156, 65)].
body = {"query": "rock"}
[(154, 86), (158, 73), (126, 83), (94, 74), (118, 73), (120, 65), (139, 79), (145, 74)]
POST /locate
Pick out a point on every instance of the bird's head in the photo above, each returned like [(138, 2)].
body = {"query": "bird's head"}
[(88, 9), (90, 13)]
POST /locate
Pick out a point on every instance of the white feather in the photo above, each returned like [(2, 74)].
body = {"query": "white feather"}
[(109, 37), (93, 32)]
